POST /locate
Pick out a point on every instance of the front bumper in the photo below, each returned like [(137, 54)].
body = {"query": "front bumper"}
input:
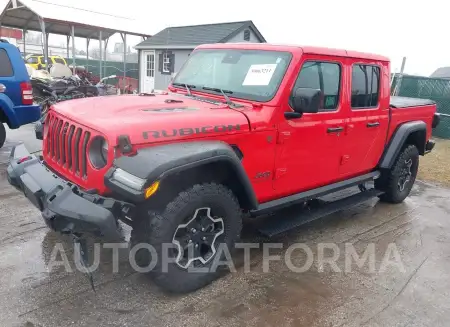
[(64, 206)]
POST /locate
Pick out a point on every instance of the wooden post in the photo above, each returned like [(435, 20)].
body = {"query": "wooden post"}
[(101, 53)]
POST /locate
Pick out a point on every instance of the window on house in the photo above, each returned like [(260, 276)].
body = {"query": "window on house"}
[(247, 35), (365, 86), (324, 76), (166, 62)]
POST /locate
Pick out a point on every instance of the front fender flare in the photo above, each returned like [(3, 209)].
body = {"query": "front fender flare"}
[(159, 162), (398, 140)]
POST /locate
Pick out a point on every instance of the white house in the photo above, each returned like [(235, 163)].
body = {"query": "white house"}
[(162, 55)]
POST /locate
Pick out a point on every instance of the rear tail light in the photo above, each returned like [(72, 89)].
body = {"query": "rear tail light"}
[(436, 120), (27, 93)]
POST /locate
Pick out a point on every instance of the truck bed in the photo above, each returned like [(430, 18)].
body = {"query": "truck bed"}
[(404, 110), (404, 102)]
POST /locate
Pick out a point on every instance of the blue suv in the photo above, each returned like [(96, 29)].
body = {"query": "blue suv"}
[(16, 93)]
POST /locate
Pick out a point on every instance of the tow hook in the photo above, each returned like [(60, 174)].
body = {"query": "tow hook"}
[(80, 245)]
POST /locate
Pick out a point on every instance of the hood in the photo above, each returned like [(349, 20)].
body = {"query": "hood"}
[(147, 119)]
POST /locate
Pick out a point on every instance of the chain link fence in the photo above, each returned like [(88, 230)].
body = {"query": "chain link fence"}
[(435, 89), (108, 67)]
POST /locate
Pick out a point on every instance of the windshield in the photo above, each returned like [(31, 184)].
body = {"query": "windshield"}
[(247, 74), (59, 61)]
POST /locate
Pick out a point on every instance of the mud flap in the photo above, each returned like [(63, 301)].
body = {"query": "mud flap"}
[(80, 246)]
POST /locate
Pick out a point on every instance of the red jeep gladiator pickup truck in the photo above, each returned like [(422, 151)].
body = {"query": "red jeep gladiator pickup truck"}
[(244, 129)]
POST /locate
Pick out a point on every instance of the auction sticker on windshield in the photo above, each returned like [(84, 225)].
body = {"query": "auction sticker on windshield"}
[(259, 74)]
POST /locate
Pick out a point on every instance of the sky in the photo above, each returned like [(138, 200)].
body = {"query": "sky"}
[(417, 30)]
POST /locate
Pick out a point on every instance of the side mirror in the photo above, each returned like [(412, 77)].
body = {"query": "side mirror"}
[(306, 100)]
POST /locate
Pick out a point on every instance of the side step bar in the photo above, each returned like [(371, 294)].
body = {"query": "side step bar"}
[(277, 225), (271, 206)]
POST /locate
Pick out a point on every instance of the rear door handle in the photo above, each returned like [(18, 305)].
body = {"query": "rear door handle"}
[(375, 124), (335, 129)]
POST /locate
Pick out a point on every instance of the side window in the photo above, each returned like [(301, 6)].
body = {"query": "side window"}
[(6, 69), (324, 76), (365, 86)]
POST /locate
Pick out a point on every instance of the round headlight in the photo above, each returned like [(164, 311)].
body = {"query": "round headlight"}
[(98, 152)]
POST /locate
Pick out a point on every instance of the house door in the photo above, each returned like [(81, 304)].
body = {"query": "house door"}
[(148, 71)]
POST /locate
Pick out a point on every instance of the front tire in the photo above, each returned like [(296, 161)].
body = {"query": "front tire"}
[(2, 134), (399, 180), (203, 219)]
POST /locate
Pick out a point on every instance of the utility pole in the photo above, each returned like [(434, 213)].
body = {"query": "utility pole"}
[(399, 78)]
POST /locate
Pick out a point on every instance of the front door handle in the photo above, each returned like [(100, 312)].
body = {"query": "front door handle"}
[(375, 124), (335, 129)]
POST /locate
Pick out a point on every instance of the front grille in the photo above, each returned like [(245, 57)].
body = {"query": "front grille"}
[(66, 145)]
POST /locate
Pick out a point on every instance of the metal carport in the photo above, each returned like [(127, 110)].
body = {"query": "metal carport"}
[(50, 18)]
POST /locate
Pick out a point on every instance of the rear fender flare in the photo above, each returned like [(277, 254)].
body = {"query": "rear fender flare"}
[(7, 107), (159, 162), (398, 141)]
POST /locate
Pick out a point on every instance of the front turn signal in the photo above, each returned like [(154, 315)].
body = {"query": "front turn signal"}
[(149, 191)]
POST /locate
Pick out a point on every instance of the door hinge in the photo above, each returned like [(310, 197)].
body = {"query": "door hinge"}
[(279, 172), (282, 136)]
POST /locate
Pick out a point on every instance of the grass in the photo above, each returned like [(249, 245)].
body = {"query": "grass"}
[(435, 166)]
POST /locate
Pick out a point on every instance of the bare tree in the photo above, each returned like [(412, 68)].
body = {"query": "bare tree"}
[(94, 53)]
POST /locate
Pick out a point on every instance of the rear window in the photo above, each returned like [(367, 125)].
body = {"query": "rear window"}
[(32, 60), (6, 69), (58, 61)]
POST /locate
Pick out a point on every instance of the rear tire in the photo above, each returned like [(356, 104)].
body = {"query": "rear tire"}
[(2, 134), (182, 221), (399, 180)]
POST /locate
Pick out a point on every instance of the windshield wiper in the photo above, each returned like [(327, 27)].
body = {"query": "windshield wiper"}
[(227, 99), (187, 86)]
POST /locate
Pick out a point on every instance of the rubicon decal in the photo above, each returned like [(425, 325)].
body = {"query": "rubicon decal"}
[(190, 131)]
